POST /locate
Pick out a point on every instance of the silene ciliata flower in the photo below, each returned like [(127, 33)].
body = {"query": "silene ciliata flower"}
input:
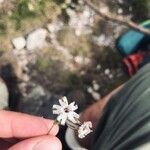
[(65, 111), (66, 115), (84, 129)]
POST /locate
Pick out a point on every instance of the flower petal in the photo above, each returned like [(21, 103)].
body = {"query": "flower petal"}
[(73, 117), (84, 129), (62, 118), (57, 107), (63, 101), (72, 106), (56, 112)]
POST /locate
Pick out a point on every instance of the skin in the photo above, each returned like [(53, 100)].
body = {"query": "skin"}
[(24, 132), (93, 113)]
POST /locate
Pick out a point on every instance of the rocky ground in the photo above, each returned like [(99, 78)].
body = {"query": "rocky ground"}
[(73, 58), (63, 51)]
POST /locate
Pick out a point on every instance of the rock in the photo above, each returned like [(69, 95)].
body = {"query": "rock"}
[(120, 11), (31, 7), (19, 42), (102, 40), (22, 58), (110, 76), (96, 95), (104, 9), (120, 1), (81, 60), (38, 102), (107, 71), (37, 91), (81, 21), (90, 90), (130, 9), (82, 72), (3, 95), (55, 26), (36, 39), (98, 67), (95, 85)]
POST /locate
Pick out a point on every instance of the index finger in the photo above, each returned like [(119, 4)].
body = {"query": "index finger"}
[(18, 125)]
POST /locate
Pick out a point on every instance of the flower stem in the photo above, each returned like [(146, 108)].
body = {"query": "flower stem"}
[(54, 123)]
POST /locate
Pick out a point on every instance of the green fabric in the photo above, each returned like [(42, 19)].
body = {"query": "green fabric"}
[(125, 123)]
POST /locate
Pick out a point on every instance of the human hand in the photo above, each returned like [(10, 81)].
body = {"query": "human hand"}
[(24, 132)]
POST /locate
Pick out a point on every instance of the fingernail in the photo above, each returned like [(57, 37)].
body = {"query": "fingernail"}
[(44, 145)]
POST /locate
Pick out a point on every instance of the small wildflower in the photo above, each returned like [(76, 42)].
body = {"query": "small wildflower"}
[(65, 111), (66, 115), (85, 129)]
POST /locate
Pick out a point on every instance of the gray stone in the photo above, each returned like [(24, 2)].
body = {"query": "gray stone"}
[(81, 21), (90, 90), (98, 67), (37, 92), (3, 95), (55, 26), (107, 71), (95, 85), (36, 39), (38, 102), (96, 95)]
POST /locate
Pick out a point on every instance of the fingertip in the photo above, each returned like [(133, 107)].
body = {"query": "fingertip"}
[(39, 143), (52, 143), (20, 125)]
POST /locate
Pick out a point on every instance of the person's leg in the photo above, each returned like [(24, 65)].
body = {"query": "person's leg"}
[(120, 102), (124, 123), (93, 113)]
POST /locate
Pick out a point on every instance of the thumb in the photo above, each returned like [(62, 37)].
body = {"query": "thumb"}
[(38, 143)]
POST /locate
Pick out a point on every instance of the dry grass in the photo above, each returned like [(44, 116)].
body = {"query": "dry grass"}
[(77, 45)]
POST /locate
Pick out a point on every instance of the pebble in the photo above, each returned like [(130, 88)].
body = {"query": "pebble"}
[(19, 43), (110, 76), (104, 9), (55, 26), (96, 95), (82, 60), (36, 39), (98, 67), (89, 89), (81, 21), (120, 11), (120, 1), (95, 85), (107, 71), (102, 40)]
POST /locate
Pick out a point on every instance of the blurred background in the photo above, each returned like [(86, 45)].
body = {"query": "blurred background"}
[(52, 48)]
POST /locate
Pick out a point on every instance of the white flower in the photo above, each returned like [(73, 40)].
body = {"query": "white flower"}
[(65, 111), (85, 129)]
